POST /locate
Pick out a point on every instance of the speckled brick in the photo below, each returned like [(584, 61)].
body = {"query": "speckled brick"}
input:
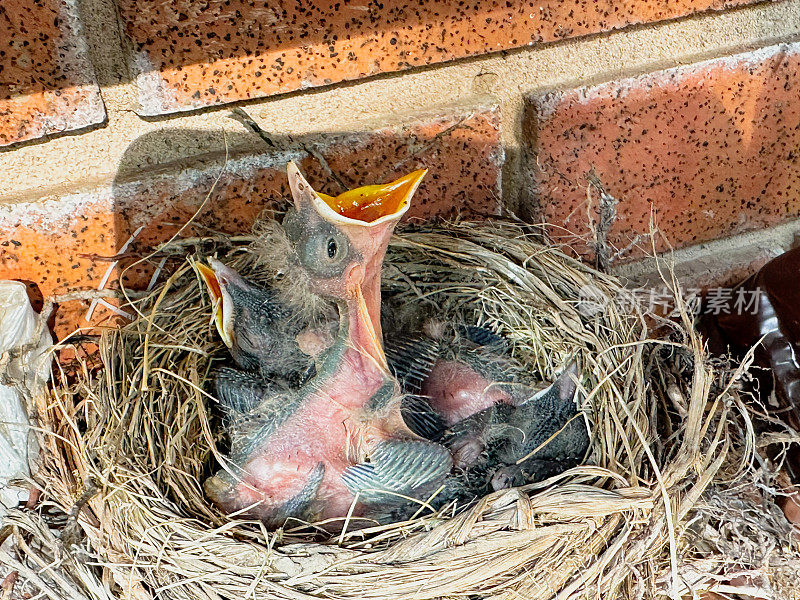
[(47, 85), (61, 243), (188, 54), (712, 149)]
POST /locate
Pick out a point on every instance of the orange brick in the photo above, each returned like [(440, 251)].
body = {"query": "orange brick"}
[(189, 54), (61, 243), (47, 84), (711, 148)]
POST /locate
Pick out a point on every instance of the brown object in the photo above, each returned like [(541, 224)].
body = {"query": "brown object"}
[(790, 505), (8, 583), (773, 327), (776, 319)]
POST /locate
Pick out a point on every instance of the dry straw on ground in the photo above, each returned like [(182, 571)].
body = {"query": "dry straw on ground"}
[(657, 512)]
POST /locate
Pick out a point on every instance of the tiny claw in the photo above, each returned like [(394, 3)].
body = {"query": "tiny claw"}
[(220, 489), (466, 452), (507, 478)]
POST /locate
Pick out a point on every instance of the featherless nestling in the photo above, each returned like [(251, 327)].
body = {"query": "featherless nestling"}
[(453, 384), (337, 444)]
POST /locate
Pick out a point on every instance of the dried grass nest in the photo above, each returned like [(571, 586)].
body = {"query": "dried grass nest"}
[(670, 502)]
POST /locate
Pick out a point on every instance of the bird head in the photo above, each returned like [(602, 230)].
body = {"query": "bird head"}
[(340, 242), (223, 283)]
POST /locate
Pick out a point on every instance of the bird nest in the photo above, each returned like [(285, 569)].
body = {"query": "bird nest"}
[(127, 446)]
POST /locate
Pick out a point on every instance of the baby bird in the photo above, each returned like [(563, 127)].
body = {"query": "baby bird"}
[(338, 444), (499, 427), (276, 344), (442, 364), (537, 435), (264, 332), (459, 386)]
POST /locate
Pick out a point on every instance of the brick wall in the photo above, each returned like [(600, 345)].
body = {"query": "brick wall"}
[(115, 121)]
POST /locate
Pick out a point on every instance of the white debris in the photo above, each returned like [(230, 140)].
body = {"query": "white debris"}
[(29, 371)]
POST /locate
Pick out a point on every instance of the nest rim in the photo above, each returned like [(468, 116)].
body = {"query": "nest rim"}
[(156, 542)]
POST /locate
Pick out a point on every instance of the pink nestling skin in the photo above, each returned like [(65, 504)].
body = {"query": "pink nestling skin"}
[(456, 391), (330, 428), (331, 424)]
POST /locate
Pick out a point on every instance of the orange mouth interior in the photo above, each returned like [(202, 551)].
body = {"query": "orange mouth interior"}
[(215, 291), (371, 202)]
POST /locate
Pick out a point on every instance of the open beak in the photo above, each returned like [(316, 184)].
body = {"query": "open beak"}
[(370, 206), (222, 318), (376, 204), (367, 216)]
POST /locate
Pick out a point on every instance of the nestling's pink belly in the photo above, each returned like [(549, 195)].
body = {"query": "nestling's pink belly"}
[(329, 428)]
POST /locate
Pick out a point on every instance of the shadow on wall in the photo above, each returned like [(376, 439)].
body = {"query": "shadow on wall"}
[(192, 53), (220, 194)]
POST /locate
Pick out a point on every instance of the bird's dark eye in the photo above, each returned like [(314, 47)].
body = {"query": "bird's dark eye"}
[(322, 251)]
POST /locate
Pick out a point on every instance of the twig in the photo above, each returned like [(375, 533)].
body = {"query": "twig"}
[(70, 534), (638, 238), (244, 118), (44, 316), (607, 212), (326, 167), (93, 256), (228, 240), (433, 140), (29, 574), (110, 270)]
